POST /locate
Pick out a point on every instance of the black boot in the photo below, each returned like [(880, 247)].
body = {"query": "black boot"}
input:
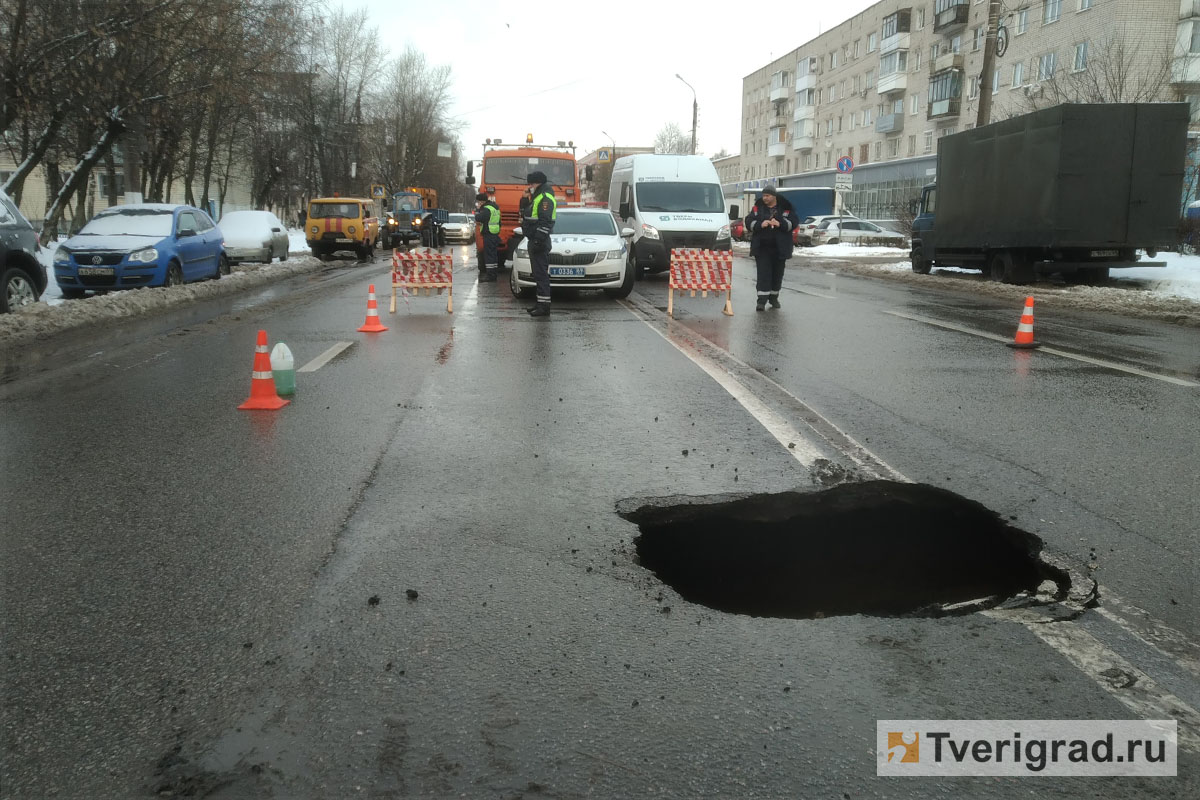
[(489, 276), (540, 310), (775, 300), (762, 303)]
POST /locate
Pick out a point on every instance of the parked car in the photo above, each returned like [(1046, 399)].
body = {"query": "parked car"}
[(587, 253), (147, 244), (460, 228), (23, 276), (804, 231), (253, 236), (831, 231)]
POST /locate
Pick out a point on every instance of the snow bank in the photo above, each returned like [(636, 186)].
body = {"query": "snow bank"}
[(53, 313), (848, 250)]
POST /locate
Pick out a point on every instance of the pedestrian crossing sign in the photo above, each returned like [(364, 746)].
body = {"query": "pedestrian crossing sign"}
[(377, 190), (603, 156)]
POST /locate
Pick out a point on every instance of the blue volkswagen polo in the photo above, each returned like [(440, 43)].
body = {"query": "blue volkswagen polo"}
[(147, 244)]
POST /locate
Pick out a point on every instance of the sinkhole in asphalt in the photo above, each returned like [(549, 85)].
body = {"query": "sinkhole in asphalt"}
[(881, 548)]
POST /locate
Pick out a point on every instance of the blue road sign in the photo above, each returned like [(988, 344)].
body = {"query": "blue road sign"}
[(845, 164)]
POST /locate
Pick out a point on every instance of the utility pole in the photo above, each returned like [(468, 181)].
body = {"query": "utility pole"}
[(989, 65), (695, 108)]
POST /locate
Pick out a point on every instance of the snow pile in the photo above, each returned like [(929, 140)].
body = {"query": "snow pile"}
[(53, 314), (849, 250)]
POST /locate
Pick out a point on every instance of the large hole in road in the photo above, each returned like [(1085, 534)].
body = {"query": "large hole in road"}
[(878, 547)]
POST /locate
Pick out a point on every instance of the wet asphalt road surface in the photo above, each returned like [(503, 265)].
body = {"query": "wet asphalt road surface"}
[(412, 582)]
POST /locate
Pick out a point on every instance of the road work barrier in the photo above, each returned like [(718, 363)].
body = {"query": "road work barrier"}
[(263, 396), (701, 271), (422, 269), (372, 323), (1024, 339)]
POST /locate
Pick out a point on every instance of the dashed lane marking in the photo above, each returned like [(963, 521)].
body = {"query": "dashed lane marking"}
[(325, 357), (1051, 350)]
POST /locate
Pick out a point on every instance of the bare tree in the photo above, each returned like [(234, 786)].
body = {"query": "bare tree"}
[(670, 139)]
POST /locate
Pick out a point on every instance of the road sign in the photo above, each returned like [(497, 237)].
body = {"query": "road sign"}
[(603, 156), (843, 182), (845, 165), (377, 190)]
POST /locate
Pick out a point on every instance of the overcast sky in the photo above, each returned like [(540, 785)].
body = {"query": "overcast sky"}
[(570, 70)]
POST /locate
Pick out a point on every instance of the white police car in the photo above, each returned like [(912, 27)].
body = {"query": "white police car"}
[(587, 253)]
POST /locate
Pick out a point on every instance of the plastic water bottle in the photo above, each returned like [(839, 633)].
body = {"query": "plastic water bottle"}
[(283, 369)]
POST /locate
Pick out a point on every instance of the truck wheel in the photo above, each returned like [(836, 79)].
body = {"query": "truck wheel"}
[(920, 264), (1000, 267)]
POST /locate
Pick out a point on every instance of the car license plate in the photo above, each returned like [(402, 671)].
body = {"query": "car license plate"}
[(567, 272), (1104, 254), (96, 271), (344, 241)]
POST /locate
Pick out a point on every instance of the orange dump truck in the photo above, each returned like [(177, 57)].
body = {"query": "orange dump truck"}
[(505, 167)]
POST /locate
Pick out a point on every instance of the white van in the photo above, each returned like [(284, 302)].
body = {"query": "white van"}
[(669, 201)]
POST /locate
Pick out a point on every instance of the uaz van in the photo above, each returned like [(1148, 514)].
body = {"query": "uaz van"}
[(341, 223), (670, 201)]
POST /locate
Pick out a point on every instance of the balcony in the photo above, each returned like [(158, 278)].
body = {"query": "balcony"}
[(1189, 9), (946, 62), (895, 82), (1186, 69), (897, 41), (804, 141), (949, 15), (776, 149), (803, 113), (779, 93), (944, 109), (808, 81), (889, 123)]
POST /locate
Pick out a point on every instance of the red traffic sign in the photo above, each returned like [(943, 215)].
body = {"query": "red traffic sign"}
[(845, 164)]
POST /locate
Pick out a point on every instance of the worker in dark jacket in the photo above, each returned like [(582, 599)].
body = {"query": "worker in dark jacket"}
[(537, 227), (770, 223), (510, 248), (487, 217)]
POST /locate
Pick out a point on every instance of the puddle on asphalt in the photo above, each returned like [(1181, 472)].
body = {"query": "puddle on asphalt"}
[(880, 548)]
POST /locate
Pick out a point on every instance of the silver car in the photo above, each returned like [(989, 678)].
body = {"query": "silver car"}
[(459, 228), (254, 236)]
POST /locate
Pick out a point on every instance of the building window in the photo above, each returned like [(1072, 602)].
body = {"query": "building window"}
[(839, 125), (977, 38), (917, 60), (928, 142), (879, 151), (833, 61), (914, 103), (1080, 57), (934, 50), (973, 89), (833, 93), (807, 162), (1018, 79), (912, 145), (945, 86), (895, 61), (920, 18), (869, 79), (872, 42), (1046, 66), (896, 23), (1022, 20), (120, 181), (1084, 5), (867, 118), (893, 147), (956, 44), (1195, 38), (829, 127), (996, 82), (857, 47), (1051, 11)]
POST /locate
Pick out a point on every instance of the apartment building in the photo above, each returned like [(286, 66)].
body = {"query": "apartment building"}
[(886, 84)]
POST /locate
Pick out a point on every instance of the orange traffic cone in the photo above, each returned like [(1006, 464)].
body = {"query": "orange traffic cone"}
[(1024, 338), (262, 381), (372, 325)]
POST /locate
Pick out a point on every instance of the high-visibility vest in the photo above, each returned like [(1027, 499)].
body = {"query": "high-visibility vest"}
[(537, 202), (493, 225)]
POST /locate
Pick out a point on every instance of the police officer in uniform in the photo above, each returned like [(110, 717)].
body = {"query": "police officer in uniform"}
[(487, 217), (537, 227)]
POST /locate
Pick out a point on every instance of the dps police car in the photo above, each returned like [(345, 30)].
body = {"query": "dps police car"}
[(587, 253)]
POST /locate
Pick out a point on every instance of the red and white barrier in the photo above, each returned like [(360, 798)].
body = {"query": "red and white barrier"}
[(701, 271), (413, 270)]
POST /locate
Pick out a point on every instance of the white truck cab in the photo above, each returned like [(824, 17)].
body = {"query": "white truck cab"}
[(669, 201)]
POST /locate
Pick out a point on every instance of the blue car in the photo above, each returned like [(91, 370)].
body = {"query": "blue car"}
[(147, 244)]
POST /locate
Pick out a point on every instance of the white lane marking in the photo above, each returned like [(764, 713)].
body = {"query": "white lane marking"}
[(787, 435), (325, 357), (1051, 350), (1120, 678), (468, 307), (1088, 654)]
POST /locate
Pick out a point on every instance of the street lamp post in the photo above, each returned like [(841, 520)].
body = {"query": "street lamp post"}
[(613, 155), (695, 108)]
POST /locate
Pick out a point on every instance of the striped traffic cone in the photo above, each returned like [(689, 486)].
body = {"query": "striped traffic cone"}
[(372, 325), (262, 381), (1024, 338)]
